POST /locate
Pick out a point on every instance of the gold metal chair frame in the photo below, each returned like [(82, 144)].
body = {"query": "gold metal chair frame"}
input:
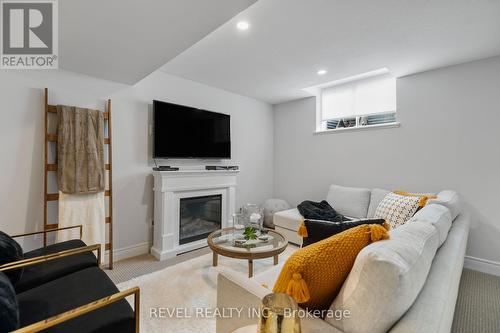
[(45, 232), (52, 256), (84, 309), (81, 310)]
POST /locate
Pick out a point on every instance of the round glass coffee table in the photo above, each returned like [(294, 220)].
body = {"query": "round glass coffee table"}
[(228, 242)]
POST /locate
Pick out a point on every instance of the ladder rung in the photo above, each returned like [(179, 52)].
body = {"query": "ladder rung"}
[(53, 167), (53, 109), (54, 225), (53, 138), (55, 196), (52, 196)]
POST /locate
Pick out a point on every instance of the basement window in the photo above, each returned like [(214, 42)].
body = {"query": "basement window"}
[(357, 104)]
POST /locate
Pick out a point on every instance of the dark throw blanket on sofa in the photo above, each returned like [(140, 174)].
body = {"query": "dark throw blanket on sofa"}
[(320, 211)]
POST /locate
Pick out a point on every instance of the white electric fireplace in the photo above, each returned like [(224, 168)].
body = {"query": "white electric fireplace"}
[(188, 206)]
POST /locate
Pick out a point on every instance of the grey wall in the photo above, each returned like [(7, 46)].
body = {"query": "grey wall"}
[(449, 139), (21, 134)]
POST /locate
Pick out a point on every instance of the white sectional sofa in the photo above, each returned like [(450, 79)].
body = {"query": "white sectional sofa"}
[(408, 283)]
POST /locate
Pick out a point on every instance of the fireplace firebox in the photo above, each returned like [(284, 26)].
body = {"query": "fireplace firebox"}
[(199, 216)]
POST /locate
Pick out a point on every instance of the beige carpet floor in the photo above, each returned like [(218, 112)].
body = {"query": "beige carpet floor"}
[(478, 303), (189, 280), (127, 269), (172, 296)]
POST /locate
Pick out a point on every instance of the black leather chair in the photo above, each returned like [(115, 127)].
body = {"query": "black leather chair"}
[(75, 296), (35, 275), (85, 301)]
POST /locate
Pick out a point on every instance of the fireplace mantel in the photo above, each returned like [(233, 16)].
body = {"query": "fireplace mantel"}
[(169, 188)]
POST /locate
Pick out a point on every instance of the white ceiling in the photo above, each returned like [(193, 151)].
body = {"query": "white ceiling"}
[(289, 40), (125, 40)]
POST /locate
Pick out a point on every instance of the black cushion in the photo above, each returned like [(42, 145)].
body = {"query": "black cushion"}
[(72, 291), (9, 311), (320, 211), (57, 247), (318, 230), (38, 274), (10, 251)]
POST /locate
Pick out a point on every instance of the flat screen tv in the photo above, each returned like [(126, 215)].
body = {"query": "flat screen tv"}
[(187, 132)]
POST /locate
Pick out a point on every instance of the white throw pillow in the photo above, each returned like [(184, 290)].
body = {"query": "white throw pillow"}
[(386, 279), (376, 196), (397, 209), (449, 199), (349, 201), (437, 215)]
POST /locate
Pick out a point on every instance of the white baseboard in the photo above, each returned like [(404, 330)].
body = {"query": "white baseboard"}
[(129, 252), (482, 265)]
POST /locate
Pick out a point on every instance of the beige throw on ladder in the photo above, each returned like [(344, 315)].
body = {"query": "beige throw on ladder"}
[(87, 210), (81, 174), (80, 150)]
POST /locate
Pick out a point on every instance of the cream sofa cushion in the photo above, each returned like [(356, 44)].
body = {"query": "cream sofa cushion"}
[(437, 215), (287, 222), (434, 308), (288, 219), (449, 199), (349, 201), (386, 279)]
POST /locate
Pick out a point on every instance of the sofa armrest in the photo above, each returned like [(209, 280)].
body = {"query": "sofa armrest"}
[(238, 292), (243, 297), (52, 256), (84, 309)]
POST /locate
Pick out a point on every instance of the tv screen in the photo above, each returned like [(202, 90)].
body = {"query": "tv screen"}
[(186, 132)]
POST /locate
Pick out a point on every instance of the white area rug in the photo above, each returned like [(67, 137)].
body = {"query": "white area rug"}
[(186, 286)]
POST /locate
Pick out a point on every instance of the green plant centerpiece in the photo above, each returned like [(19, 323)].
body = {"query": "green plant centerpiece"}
[(250, 233)]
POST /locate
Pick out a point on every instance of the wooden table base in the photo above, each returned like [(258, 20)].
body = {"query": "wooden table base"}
[(215, 262), (250, 268)]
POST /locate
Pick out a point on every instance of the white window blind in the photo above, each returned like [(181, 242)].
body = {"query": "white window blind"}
[(376, 95)]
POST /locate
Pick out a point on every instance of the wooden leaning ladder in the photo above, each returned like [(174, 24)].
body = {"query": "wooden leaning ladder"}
[(51, 138)]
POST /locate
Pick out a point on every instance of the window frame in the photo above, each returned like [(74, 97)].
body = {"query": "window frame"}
[(321, 124)]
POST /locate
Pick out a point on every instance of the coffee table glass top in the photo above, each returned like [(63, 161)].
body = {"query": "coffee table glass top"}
[(233, 240)]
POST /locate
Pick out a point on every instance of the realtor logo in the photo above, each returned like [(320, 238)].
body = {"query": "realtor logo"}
[(29, 34)]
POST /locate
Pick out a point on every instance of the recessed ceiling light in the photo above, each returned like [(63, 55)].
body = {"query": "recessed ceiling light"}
[(322, 72), (242, 25)]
